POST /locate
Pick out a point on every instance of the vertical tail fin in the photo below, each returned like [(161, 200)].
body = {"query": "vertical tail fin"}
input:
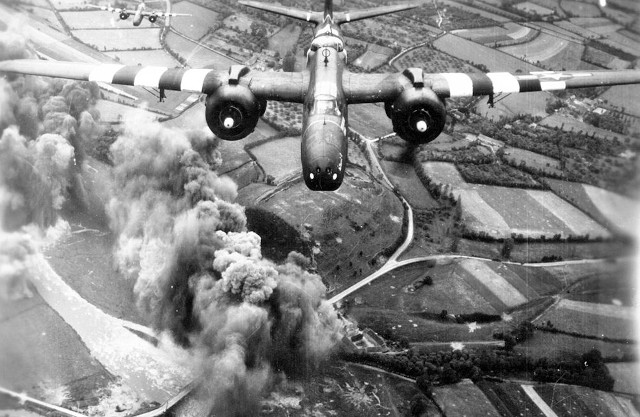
[(328, 8)]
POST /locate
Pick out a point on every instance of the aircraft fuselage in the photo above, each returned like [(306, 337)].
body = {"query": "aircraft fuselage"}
[(324, 118), (137, 18)]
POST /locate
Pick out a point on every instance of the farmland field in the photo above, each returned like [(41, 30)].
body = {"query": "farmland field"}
[(591, 319), (404, 177), (488, 35), (444, 173), (569, 124), (432, 60), (196, 25), (121, 39), (532, 159), (551, 28), (505, 293), (619, 41), (529, 212), (370, 60), (470, 51), (279, 157), (99, 19), (285, 39), (619, 210), (626, 377), (543, 48), (607, 288), (578, 30), (604, 59), (572, 400), (624, 96), (581, 8), (463, 399), (510, 399), (155, 57), (530, 7), (561, 346)]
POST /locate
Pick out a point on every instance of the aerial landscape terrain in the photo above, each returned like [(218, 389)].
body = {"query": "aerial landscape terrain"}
[(148, 267)]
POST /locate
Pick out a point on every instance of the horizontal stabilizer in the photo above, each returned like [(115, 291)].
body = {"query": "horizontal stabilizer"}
[(345, 17), (314, 17)]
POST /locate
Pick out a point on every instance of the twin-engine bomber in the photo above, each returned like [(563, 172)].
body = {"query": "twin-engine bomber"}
[(139, 13), (414, 100)]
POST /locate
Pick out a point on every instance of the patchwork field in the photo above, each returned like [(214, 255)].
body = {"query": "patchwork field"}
[(618, 41), (497, 290), (485, 36), (578, 30), (121, 39), (470, 51), (156, 57), (624, 96), (99, 19), (510, 399), (591, 319), (111, 112), (279, 157), (511, 105), (196, 25), (604, 59), (501, 211)]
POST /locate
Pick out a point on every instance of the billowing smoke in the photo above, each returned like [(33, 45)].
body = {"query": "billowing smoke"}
[(200, 274), (43, 124)]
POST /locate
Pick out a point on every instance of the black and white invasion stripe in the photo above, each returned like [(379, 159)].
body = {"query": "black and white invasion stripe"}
[(468, 85), (192, 80)]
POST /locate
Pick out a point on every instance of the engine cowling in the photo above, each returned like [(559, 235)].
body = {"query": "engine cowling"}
[(124, 16), (418, 115), (232, 111)]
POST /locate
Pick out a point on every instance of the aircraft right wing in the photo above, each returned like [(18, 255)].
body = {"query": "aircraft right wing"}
[(346, 17), (163, 14), (110, 9), (279, 86), (367, 88)]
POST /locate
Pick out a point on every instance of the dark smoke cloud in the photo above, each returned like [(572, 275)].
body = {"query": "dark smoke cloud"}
[(40, 159), (201, 275)]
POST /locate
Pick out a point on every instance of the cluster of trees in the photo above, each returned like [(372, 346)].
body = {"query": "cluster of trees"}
[(471, 154), (608, 121), (497, 174), (446, 367), (437, 191)]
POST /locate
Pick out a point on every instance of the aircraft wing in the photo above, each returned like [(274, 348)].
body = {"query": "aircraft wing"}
[(280, 86), (366, 88), (345, 17), (109, 8), (285, 11)]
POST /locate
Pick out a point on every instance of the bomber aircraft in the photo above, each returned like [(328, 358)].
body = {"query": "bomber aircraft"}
[(139, 13), (414, 100)]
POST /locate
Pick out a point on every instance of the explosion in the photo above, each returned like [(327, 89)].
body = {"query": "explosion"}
[(201, 275)]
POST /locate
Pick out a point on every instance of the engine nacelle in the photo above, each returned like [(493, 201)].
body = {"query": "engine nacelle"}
[(232, 111), (153, 18), (124, 16), (418, 115)]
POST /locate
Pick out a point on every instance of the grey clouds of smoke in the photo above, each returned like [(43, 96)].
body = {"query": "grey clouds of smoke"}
[(201, 275)]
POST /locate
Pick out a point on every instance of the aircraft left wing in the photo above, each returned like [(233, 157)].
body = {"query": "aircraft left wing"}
[(280, 86), (367, 88)]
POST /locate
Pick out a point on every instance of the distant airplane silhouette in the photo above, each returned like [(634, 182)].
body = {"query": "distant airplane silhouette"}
[(139, 13)]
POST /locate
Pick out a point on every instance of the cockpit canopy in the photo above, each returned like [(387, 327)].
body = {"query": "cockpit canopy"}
[(326, 105), (327, 41)]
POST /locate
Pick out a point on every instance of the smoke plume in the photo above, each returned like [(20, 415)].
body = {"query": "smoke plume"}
[(201, 275), (43, 124)]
